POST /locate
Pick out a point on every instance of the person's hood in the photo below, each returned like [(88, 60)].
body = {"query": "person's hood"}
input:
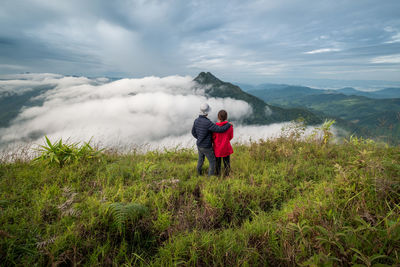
[(222, 123)]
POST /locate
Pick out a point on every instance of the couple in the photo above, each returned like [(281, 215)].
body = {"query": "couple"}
[(213, 141)]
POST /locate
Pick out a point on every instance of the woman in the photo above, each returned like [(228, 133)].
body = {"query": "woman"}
[(222, 146)]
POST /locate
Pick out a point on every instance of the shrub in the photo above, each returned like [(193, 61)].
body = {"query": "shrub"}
[(59, 153)]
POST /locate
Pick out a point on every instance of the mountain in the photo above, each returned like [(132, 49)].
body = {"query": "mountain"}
[(385, 93), (276, 89), (11, 103), (283, 95), (368, 117), (248, 87), (262, 112), (285, 92), (349, 91)]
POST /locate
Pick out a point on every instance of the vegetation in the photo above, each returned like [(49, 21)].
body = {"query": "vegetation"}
[(367, 117), (278, 90), (289, 201), (384, 93), (60, 153)]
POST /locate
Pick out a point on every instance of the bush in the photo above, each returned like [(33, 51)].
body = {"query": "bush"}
[(60, 154)]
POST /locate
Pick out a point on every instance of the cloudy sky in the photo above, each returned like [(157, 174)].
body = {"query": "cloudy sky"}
[(239, 41)]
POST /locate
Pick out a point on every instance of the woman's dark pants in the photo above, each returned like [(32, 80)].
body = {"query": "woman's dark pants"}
[(227, 165)]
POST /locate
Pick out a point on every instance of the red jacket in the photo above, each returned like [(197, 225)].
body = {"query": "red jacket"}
[(222, 146)]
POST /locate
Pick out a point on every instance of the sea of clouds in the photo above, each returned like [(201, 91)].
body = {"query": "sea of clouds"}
[(150, 112)]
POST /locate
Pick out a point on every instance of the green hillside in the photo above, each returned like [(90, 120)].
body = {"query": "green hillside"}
[(286, 203), (392, 92), (286, 94), (12, 103), (218, 88), (374, 118), (380, 94)]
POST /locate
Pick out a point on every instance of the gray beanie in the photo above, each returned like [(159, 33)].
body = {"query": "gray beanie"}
[(205, 109)]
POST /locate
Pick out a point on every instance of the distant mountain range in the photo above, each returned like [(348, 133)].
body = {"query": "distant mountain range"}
[(379, 94), (370, 114)]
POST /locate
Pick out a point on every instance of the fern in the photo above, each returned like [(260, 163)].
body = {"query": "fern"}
[(123, 213)]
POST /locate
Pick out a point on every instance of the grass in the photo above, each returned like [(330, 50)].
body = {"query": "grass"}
[(287, 202)]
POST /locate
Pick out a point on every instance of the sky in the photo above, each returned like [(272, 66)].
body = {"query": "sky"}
[(238, 41)]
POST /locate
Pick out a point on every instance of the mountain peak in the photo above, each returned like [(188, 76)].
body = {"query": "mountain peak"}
[(207, 78)]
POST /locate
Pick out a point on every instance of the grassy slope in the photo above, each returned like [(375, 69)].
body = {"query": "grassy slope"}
[(287, 202)]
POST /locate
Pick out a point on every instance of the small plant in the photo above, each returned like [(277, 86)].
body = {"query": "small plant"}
[(325, 130), (122, 213), (60, 153), (358, 141)]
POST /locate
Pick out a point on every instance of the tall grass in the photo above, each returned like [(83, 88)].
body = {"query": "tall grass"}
[(287, 202)]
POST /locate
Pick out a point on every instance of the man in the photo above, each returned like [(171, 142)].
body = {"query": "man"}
[(202, 130)]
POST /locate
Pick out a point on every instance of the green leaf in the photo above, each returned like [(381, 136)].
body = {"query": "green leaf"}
[(48, 142)]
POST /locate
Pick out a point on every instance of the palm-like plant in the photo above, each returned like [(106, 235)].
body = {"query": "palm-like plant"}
[(60, 153)]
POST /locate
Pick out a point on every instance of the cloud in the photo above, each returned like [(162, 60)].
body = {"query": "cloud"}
[(241, 41), (391, 59), (150, 113), (394, 39), (322, 50), (243, 134), (21, 83), (11, 67), (395, 35), (126, 111)]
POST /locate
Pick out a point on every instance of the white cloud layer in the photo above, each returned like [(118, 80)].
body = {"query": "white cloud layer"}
[(147, 113), (126, 111)]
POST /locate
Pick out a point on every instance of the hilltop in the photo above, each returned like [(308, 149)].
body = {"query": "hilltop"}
[(287, 202)]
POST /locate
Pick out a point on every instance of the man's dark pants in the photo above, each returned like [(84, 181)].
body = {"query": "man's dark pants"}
[(209, 153)]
